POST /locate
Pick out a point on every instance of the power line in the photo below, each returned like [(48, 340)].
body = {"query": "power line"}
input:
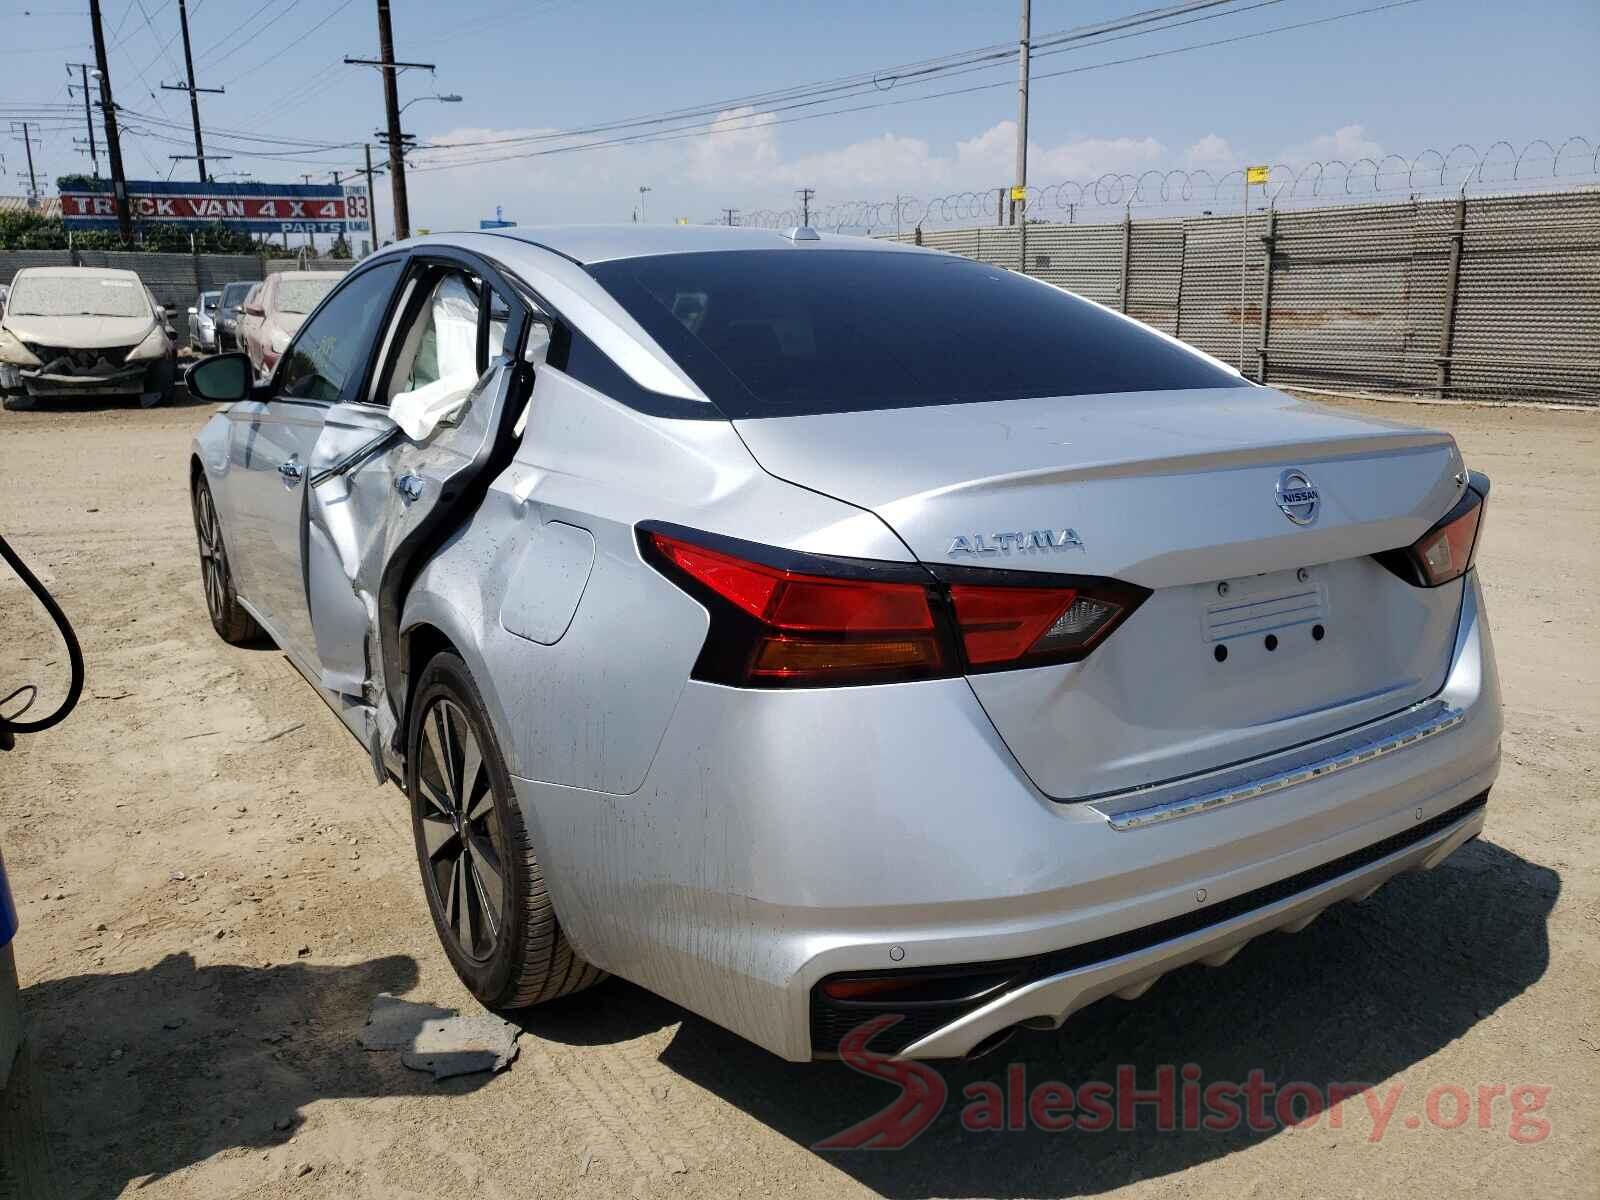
[(886, 78), (766, 119), (299, 37)]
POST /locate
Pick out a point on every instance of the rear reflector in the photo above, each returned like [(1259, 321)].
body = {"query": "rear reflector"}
[(782, 619)]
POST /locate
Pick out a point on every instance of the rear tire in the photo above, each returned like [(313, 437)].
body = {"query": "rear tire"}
[(484, 884), (228, 617), (19, 403)]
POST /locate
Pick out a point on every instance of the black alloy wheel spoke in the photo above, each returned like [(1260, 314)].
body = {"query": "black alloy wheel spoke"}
[(460, 832)]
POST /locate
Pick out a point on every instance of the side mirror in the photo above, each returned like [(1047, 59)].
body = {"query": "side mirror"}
[(255, 310), (222, 378), (192, 311)]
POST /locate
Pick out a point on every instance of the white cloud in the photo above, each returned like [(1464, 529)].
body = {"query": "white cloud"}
[(1348, 142), (1211, 153), (743, 162), (742, 147)]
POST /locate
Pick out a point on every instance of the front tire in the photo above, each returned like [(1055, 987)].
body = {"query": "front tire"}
[(228, 617), (483, 882)]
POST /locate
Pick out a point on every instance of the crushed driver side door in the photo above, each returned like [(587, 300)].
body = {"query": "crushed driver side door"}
[(397, 469)]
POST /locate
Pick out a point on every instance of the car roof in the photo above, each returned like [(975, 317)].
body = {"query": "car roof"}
[(586, 244), (308, 275)]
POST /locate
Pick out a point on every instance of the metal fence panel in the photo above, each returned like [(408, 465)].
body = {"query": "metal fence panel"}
[(1528, 311), (1213, 317), (1155, 273), (1362, 295), (1341, 299)]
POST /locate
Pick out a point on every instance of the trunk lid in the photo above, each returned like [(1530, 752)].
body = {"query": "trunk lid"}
[(1179, 492)]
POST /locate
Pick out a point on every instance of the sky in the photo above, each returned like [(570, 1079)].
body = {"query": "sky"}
[(1428, 74)]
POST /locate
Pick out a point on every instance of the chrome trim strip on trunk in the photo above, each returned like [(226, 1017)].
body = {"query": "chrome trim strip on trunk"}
[(1170, 810)]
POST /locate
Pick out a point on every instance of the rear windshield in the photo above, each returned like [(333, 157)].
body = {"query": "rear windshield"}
[(772, 333), (77, 296), (302, 295), (208, 300)]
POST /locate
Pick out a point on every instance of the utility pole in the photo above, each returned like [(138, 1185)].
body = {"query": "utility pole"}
[(805, 195), (372, 196), (391, 100), (194, 99), (1019, 204), (643, 191), (88, 113), (728, 215), (26, 138), (108, 113)]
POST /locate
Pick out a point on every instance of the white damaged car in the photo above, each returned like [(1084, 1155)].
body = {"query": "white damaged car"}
[(71, 332)]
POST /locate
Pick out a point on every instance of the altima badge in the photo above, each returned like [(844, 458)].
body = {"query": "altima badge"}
[(1021, 541), (1298, 497)]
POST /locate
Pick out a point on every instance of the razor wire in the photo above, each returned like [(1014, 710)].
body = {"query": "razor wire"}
[(1536, 163)]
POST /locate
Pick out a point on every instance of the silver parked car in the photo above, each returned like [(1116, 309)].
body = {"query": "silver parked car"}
[(82, 332), (837, 636), (203, 322)]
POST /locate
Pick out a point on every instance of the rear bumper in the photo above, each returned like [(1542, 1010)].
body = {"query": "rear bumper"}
[(783, 837), (1042, 992)]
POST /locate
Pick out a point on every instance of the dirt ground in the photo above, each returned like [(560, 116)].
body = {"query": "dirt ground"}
[(212, 891)]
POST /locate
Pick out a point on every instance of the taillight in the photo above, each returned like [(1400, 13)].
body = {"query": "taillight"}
[(780, 619), (1028, 626), (792, 627), (1447, 550)]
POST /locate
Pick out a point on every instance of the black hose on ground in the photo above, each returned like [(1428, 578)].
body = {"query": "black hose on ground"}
[(10, 726)]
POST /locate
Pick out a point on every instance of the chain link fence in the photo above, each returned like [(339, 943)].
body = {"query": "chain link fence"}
[(1494, 298)]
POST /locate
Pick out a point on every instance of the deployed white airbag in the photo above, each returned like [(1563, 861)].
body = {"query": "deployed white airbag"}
[(445, 368)]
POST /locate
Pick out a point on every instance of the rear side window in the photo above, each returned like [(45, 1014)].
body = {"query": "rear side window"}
[(789, 332)]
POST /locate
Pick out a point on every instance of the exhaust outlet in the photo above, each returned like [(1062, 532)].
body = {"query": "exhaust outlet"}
[(990, 1044)]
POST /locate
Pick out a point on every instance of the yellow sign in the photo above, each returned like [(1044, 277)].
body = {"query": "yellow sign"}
[(683, 220), (1255, 174), (1019, 193)]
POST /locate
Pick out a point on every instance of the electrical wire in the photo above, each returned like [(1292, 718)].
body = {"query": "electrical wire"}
[(10, 725), (763, 120)]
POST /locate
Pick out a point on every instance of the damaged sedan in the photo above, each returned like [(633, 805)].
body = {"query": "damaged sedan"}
[(845, 640), (82, 332)]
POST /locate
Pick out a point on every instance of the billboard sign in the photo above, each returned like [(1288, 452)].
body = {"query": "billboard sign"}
[(254, 208)]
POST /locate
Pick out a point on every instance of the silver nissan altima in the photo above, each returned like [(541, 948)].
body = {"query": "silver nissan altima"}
[(842, 638)]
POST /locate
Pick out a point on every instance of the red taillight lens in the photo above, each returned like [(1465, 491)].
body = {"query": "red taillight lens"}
[(780, 619), (812, 628), (1447, 550), (1022, 626)]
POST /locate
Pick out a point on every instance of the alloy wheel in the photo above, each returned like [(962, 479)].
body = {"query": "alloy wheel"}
[(213, 556), (461, 830)]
